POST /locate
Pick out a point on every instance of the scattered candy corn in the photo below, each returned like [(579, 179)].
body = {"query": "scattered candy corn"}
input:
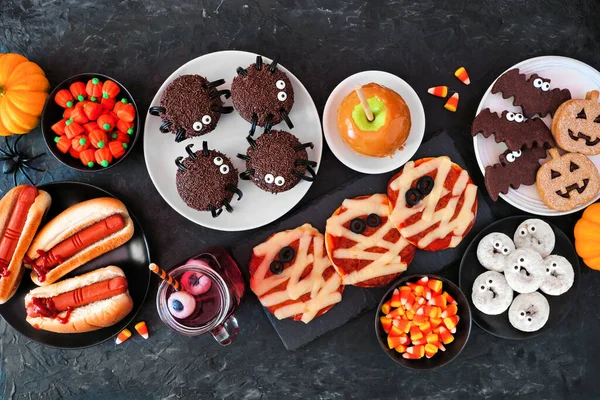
[(462, 75), (419, 319), (452, 103), (438, 91), (142, 329), (123, 336)]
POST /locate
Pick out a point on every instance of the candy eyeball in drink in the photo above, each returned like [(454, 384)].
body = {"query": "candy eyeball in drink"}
[(195, 283), (181, 304)]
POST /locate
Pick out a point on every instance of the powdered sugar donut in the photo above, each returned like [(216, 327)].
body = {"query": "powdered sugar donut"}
[(529, 312), (524, 270), (559, 275), (493, 250), (491, 293), (536, 235)]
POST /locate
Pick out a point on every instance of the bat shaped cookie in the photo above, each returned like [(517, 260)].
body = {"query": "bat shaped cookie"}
[(533, 95), (513, 129), (515, 168)]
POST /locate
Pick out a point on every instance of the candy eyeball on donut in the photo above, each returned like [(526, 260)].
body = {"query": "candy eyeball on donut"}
[(491, 293), (529, 312), (559, 275), (524, 271), (536, 235), (493, 250), (181, 304)]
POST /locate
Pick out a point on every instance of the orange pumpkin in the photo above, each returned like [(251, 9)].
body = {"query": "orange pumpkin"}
[(23, 93), (587, 236)]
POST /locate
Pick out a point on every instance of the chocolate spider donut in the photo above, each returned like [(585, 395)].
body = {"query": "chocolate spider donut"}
[(206, 180), (263, 95), (191, 106), (277, 161), (529, 312)]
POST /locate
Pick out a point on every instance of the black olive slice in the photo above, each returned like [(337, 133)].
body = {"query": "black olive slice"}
[(357, 225), (373, 220), (276, 267), (425, 185), (413, 197), (287, 254)]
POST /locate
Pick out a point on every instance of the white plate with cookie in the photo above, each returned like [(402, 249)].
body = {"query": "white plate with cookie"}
[(564, 73), (257, 207)]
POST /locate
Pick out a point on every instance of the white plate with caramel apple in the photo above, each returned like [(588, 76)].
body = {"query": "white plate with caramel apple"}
[(379, 134)]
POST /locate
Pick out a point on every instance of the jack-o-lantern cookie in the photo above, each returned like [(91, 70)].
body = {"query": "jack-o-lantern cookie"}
[(532, 94), (434, 203), (576, 125), (292, 276), (364, 245), (567, 181)]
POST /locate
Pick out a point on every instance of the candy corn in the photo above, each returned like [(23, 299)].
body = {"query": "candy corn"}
[(395, 302), (430, 350), (142, 329), (400, 349), (451, 310), (386, 324), (395, 331), (438, 91), (123, 336), (452, 103), (387, 306), (462, 75)]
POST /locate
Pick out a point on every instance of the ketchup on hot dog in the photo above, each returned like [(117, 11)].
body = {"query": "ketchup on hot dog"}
[(14, 228), (76, 243), (50, 307)]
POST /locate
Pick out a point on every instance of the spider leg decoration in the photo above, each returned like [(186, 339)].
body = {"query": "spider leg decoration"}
[(16, 161)]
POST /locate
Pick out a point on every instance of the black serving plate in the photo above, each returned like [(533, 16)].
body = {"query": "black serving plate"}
[(52, 113), (463, 329), (133, 258), (498, 325)]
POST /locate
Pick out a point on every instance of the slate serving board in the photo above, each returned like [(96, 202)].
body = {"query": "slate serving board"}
[(357, 300)]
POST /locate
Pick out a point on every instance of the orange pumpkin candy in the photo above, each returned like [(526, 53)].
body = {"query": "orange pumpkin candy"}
[(23, 93)]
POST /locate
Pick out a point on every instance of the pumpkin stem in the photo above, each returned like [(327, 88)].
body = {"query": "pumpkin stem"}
[(2, 90), (592, 95), (554, 154)]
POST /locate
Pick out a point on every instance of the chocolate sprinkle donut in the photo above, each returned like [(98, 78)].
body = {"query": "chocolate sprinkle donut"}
[(274, 161), (188, 105), (263, 93), (203, 183)]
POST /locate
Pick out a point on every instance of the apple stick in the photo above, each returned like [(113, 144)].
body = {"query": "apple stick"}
[(364, 102)]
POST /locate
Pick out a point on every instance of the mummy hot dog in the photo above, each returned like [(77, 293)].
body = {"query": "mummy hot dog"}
[(77, 235), (536, 235), (81, 304), (21, 211), (491, 293), (559, 275), (524, 271), (529, 312), (493, 250)]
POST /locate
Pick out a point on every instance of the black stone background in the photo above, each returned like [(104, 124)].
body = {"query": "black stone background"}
[(141, 42)]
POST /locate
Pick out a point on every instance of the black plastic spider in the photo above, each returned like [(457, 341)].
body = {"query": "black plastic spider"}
[(15, 161)]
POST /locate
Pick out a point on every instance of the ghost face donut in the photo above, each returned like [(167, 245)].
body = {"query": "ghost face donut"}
[(559, 275), (524, 271), (493, 250), (536, 235), (529, 312), (491, 293)]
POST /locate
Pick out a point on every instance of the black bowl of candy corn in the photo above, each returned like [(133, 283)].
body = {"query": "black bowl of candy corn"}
[(423, 321), (90, 122)]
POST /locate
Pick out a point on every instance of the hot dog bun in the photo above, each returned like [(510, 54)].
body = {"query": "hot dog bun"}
[(9, 283), (73, 220), (91, 317)]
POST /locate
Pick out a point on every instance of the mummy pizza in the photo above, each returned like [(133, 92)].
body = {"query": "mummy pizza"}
[(524, 271), (536, 235), (529, 312), (191, 106), (491, 293), (206, 180), (292, 276), (493, 251), (277, 161), (559, 275), (263, 95), (433, 202), (363, 244)]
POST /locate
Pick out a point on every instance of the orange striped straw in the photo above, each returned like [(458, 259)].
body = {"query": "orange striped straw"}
[(165, 276)]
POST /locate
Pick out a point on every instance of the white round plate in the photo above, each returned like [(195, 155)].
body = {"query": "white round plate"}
[(366, 164), (257, 207), (565, 73)]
